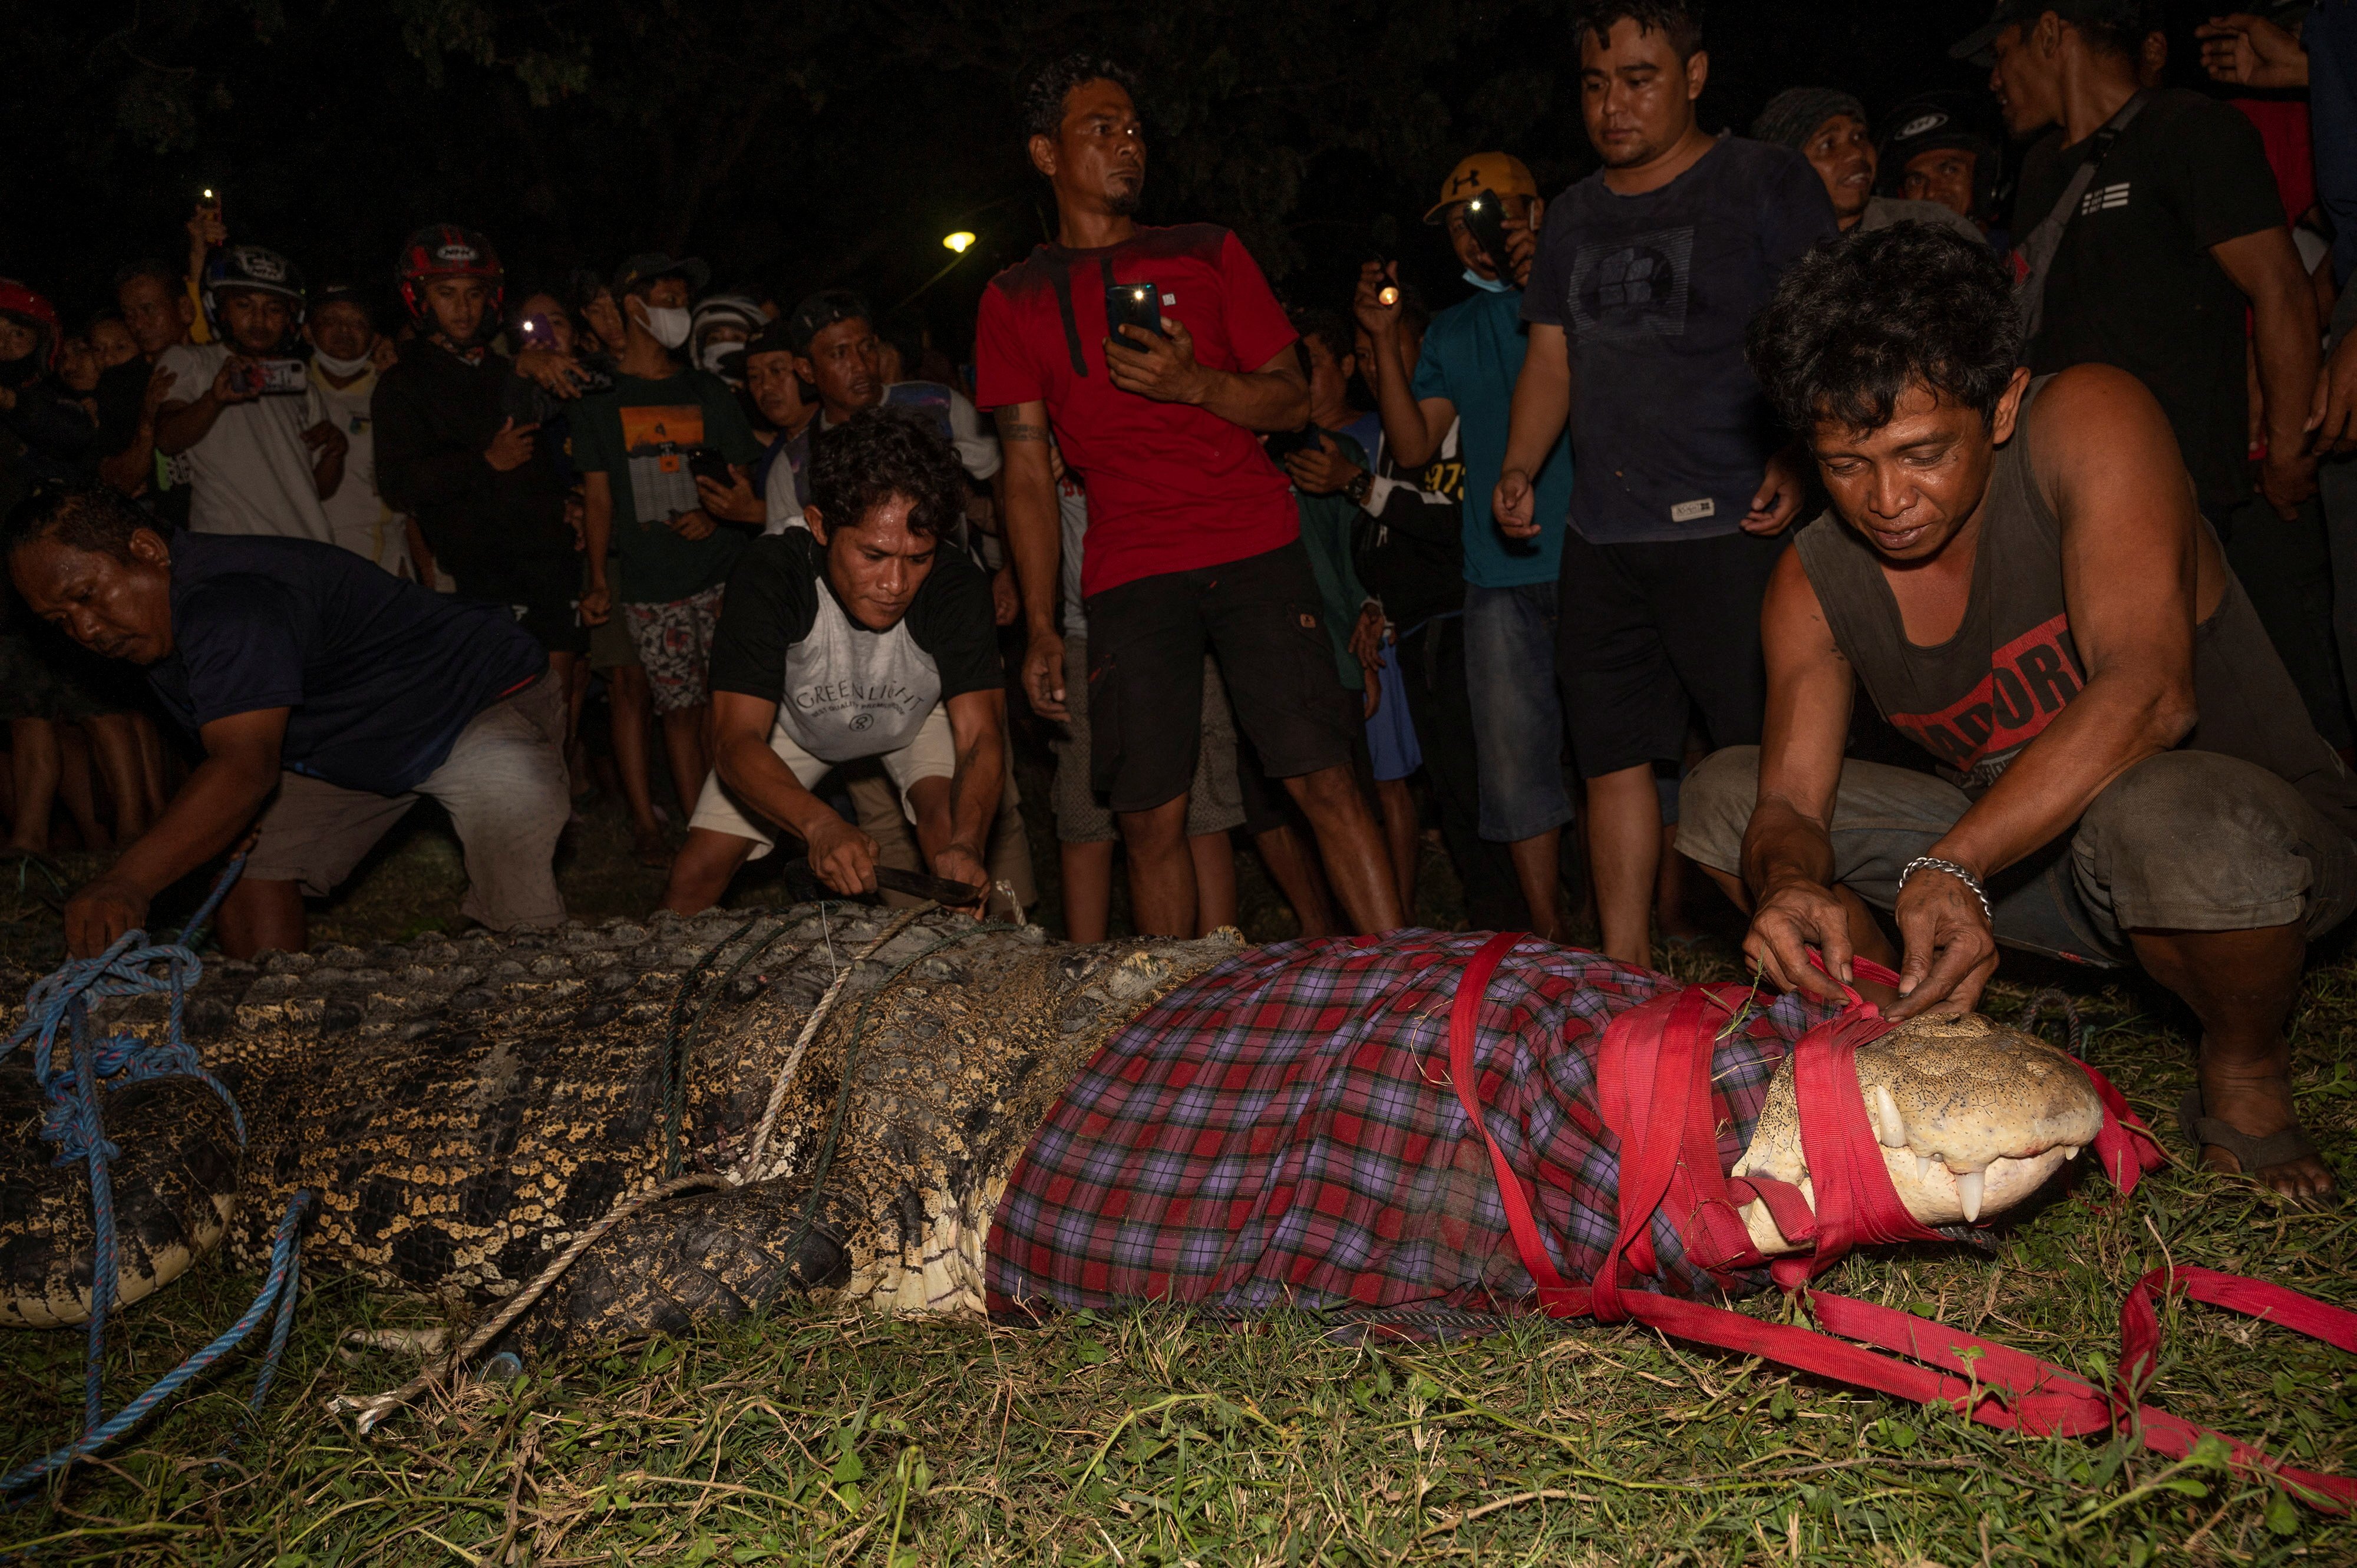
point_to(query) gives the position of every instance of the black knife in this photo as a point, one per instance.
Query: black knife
(940, 890)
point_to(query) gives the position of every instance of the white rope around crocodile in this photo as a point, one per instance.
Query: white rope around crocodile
(368, 1411)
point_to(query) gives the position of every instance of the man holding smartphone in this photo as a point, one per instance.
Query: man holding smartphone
(1461, 381)
(450, 451)
(1194, 542)
(262, 454)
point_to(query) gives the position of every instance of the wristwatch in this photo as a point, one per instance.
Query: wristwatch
(1361, 486)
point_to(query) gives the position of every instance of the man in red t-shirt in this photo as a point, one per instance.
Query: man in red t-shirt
(1194, 540)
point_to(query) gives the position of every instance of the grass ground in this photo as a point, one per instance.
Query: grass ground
(1151, 1439)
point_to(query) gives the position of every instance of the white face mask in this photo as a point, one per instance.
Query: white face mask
(666, 324)
(336, 366)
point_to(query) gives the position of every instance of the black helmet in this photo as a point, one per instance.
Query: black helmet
(1936, 120)
(249, 267)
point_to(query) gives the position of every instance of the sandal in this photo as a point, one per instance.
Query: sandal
(2252, 1153)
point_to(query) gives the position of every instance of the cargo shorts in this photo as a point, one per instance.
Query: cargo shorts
(2187, 841)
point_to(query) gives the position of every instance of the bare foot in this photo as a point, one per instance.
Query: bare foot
(648, 848)
(2260, 1106)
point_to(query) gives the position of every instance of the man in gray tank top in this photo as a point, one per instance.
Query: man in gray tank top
(2016, 574)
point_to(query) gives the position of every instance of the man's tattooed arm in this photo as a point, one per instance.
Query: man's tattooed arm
(1013, 426)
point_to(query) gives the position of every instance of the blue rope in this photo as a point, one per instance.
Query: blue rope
(278, 1289)
(71, 1119)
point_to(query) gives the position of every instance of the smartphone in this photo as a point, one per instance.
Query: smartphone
(537, 332)
(273, 377)
(1284, 444)
(1133, 304)
(705, 463)
(1485, 215)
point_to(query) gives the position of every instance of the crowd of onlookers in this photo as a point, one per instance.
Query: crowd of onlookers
(1356, 575)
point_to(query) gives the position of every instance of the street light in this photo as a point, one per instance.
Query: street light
(958, 241)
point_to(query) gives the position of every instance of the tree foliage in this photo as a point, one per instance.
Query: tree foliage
(798, 143)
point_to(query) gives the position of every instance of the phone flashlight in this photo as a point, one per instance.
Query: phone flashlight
(208, 194)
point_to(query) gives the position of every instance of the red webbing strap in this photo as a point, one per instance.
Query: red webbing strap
(1645, 1089)
(2123, 1145)
(1560, 1300)
(1855, 1200)
(1654, 1090)
(2047, 1399)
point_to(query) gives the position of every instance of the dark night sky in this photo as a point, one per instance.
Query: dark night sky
(331, 140)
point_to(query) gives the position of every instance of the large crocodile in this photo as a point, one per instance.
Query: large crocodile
(463, 1109)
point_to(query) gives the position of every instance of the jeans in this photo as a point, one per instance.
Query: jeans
(1432, 664)
(1517, 717)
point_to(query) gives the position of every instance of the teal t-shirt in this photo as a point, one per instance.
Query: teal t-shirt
(1472, 353)
(640, 435)
(1326, 525)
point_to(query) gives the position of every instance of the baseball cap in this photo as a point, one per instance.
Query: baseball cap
(649, 264)
(1976, 47)
(340, 293)
(1502, 172)
(821, 310)
(774, 337)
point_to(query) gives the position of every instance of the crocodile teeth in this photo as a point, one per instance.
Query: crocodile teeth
(1968, 1191)
(1924, 1163)
(2071, 1151)
(1892, 1127)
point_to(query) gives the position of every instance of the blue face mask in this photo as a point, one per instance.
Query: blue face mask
(1495, 285)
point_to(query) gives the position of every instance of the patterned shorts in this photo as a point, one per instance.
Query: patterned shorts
(674, 643)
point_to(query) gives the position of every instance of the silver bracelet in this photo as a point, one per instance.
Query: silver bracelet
(1933, 863)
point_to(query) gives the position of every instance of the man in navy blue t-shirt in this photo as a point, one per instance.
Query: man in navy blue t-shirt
(1649, 273)
(311, 676)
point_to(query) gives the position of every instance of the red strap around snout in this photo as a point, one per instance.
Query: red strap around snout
(1654, 1091)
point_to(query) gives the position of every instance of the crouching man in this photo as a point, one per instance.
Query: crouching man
(2014, 572)
(859, 636)
(312, 676)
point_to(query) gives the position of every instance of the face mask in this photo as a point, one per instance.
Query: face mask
(723, 360)
(16, 373)
(667, 325)
(336, 366)
(1495, 285)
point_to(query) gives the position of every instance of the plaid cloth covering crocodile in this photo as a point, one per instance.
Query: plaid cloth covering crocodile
(1281, 1129)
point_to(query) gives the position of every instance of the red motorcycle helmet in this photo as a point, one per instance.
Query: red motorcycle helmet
(447, 251)
(36, 312)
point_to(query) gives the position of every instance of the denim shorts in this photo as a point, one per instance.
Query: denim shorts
(1510, 638)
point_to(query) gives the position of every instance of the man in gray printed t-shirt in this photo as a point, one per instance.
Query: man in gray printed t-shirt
(857, 637)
